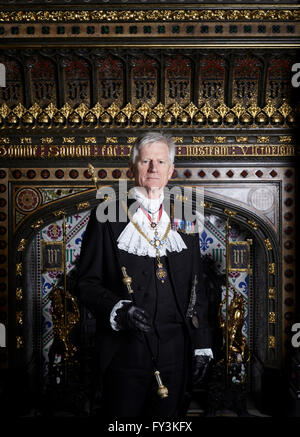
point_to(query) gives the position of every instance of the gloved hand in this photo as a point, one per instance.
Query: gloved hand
(132, 317)
(201, 365)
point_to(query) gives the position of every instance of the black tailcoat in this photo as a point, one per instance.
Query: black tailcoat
(100, 285)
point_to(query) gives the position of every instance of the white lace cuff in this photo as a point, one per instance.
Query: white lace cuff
(205, 352)
(113, 314)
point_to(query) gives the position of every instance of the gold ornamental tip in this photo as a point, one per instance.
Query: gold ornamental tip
(162, 389)
(162, 392)
(127, 280)
(59, 118)
(199, 118)
(74, 118)
(27, 118)
(12, 118)
(261, 118)
(90, 118)
(230, 118)
(43, 118)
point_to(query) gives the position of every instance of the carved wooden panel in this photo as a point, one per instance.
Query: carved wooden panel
(144, 81)
(110, 76)
(246, 79)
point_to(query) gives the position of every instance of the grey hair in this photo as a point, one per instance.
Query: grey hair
(152, 137)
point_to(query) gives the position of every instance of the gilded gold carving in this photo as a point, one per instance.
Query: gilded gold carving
(262, 139)
(111, 140)
(37, 224)
(144, 110)
(47, 140)
(74, 118)
(206, 109)
(22, 245)
(285, 109)
(222, 110)
(159, 110)
(219, 140)
(238, 109)
(58, 118)
(4, 110)
(269, 109)
(272, 268)
(4, 140)
(27, 118)
(285, 139)
(246, 118)
(191, 109)
(19, 317)
(253, 224)
(128, 110)
(175, 109)
(178, 139)
(66, 110)
(272, 317)
(82, 205)
(19, 268)
(59, 213)
(19, 293)
(241, 139)
(98, 110)
(19, 342)
(137, 118)
(105, 118)
(35, 110)
(272, 342)
(121, 118)
(92, 172)
(50, 110)
(268, 244)
(131, 140)
(68, 139)
(272, 293)
(253, 109)
(152, 117)
(90, 140)
(198, 140)
(113, 109)
(63, 320)
(184, 115)
(12, 118)
(206, 204)
(134, 15)
(19, 110)
(82, 110)
(230, 212)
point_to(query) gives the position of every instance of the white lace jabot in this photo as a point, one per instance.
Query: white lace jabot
(132, 241)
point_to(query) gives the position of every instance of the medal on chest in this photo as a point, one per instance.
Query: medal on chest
(156, 242)
(161, 272)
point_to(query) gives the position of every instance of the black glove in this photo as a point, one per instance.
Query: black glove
(132, 317)
(201, 365)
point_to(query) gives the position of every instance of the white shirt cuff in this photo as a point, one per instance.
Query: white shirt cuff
(204, 352)
(113, 314)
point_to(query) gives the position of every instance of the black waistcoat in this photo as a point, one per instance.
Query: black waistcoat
(159, 301)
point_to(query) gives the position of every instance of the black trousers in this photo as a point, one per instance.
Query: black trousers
(130, 387)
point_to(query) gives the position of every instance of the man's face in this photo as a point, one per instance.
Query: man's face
(153, 168)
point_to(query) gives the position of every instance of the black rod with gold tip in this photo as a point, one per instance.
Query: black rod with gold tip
(162, 389)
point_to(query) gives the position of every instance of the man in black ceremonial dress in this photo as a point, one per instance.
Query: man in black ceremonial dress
(159, 326)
